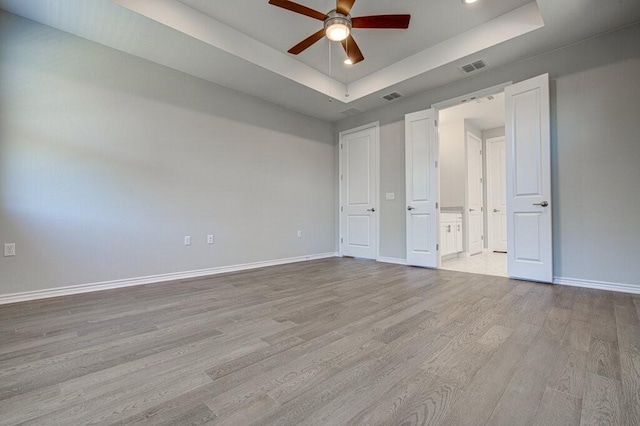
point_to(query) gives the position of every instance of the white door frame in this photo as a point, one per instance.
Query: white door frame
(447, 104)
(488, 180)
(376, 217)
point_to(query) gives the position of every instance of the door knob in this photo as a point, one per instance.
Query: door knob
(410, 208)
(371, 210)
(496, 210)
(542, 204)
(472, 210)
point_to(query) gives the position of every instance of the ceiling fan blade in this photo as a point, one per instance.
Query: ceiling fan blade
(381, 21)
(298, 8)
(344, 6)
(353, 51)
(307, 42)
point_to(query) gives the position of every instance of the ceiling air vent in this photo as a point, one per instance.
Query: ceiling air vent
(350, 112)
(474, 66)
(392, 96)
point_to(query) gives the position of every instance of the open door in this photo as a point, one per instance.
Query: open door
(528, 139)
(422, 189)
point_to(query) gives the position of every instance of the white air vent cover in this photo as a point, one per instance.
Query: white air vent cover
(392, 96)
(473, 66)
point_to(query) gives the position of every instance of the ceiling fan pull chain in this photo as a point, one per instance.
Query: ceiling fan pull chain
(330, 59)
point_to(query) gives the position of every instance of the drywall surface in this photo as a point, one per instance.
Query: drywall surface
(107, 161)
(595, 151)
(453, 163)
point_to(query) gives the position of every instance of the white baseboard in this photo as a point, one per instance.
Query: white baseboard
(599, 285)
(392, 260)
(129, 282)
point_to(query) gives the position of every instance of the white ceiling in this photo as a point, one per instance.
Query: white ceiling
(483, 113)
(243, 44)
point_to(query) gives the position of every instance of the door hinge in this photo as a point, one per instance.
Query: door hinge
(341, 208)
(481, 208)
(436, 164)
(437, 247)
(482, 237)
(341, 146)
(341, 177)
(436, 206)
(435, 123)
(341, 241)
(480, 152)
(481, 180)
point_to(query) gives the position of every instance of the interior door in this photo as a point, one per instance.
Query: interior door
(475, 195)
(421, 189)
(358, 162)
(497, 194)
(529, 240)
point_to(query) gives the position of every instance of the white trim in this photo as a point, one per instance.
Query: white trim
(599, 285)
(151, 279)
(376, 128)
(392, 260)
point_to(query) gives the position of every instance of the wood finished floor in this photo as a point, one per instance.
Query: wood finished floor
(328, 342)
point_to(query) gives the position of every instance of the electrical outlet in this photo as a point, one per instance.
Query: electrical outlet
(10, 249)
(210, 239)
(187, 240)
(299, 234)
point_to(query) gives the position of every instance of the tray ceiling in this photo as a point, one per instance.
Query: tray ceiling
(243, 44)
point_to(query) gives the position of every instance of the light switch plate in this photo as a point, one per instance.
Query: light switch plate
(187, 240)
(390, 196)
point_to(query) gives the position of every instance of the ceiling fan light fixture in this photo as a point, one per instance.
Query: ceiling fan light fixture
(469, 1)
(348, 61)
(337, 27)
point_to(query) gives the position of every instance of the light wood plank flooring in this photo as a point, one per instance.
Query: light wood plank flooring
(327, 342)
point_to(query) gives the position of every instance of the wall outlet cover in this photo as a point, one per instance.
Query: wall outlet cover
(10, 249)
(210, 239)
(187, 240)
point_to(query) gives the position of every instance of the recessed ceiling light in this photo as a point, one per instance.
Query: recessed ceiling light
(348, 61)
(469, 1)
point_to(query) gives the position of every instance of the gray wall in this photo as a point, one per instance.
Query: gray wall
(453, 166)
(595, 153)
(108, 160)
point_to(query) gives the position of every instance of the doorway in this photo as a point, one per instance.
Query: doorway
(528, 183)
(472, 185)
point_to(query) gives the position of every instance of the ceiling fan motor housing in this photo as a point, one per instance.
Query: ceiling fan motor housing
(337, 26)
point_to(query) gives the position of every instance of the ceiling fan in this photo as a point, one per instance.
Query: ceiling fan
(338, 24)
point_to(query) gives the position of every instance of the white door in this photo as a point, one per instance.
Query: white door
(497, 194)
(475, 195)
(529, 242)
(422, 189)
(358, 187)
